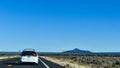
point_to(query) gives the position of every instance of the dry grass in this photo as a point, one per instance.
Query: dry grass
(65, 62)
(85, 61)
(2, 57)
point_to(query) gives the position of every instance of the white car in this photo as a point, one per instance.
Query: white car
(29, 56)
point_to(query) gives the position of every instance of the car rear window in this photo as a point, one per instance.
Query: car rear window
(28, 53)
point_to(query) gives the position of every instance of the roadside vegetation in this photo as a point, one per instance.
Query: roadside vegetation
(6, 56)
(85, 61)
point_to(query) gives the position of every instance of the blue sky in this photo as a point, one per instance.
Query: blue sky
(56, 25)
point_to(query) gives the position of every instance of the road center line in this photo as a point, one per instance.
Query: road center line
(44, 63)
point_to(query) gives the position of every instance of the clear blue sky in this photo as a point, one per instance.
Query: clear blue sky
(56, 25)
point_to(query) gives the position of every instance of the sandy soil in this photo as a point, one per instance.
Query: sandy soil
(65, 63)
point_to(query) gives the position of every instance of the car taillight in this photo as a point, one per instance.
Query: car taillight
(34, 55)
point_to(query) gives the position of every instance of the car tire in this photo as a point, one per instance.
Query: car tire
(36, 63)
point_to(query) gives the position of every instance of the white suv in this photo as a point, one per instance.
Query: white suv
(29, 56)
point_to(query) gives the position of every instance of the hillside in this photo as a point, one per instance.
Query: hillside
(77, 51)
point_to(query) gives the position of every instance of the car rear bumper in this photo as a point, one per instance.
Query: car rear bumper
(29, 61)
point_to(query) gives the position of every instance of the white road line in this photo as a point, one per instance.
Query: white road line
(44, 63)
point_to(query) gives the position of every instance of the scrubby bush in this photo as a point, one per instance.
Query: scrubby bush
(95, 61)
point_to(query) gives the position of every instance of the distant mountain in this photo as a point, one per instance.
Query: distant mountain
(10, 53)
(77, 51)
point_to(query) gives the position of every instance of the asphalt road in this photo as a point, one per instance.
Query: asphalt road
(14, 63)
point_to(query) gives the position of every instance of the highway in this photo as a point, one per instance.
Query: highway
(14, 63)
